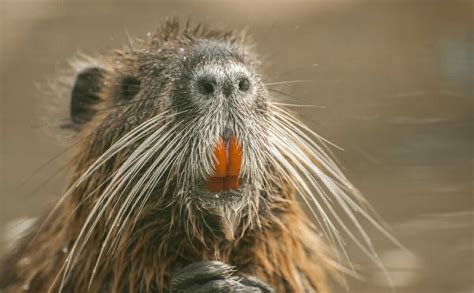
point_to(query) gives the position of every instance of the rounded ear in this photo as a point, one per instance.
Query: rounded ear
(84, 94)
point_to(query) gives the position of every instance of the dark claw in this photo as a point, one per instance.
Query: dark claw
(214, 276)
(256, 283)
(199, 273)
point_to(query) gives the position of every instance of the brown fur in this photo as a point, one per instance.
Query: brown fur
(283, 251)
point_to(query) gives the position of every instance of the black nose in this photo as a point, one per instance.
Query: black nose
(208, 86)
(244, 84)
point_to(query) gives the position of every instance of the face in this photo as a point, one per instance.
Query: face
(221, 107)
(184, 130)
(190, 124)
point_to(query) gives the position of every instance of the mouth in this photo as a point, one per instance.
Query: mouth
(227, 155)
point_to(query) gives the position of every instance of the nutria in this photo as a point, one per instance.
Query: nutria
(187, 177)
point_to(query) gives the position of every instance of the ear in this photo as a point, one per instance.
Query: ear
(84, 94)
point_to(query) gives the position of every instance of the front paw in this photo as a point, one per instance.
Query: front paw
(214, 276)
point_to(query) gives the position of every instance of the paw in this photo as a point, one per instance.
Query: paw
(214, 276)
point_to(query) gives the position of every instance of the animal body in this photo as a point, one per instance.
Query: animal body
(188, 176)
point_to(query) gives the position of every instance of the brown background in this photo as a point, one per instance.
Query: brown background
(391, 82)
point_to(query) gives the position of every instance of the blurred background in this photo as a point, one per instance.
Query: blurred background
(390, 81)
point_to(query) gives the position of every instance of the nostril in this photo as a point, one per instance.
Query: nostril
(206, 87)
(244, 84)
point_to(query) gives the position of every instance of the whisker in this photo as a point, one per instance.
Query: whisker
(328, 229)
(144, 158)
(114, 149)
(126, 140)
(295, 105)
(288, 82)
(285, 94)
(306, 161)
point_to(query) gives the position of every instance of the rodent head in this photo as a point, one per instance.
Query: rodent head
(222, 103)
(181, 121)
(182, 132)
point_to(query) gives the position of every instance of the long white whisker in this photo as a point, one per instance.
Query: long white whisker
(305, 191)
(117, 182)
(288, 81)
(167, 154)
(125, 141)
(346, 185)
(302, 155)
(157, 145)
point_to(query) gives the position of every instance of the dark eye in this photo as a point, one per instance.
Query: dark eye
(206, 87)
(130, 87)
(244, 84)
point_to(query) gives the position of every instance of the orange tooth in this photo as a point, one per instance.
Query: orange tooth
(220, 153)
(235, 157)
(231, 182)
(215, 184)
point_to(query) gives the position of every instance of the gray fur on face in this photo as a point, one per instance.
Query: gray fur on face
(153, 154)
(234, 102)
(202, 90)
(221, 109)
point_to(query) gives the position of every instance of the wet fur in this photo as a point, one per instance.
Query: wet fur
(274, 242)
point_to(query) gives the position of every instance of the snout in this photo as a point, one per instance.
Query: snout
(228, 80)
(213, 84)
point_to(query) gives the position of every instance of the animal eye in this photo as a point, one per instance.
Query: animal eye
(244, 84)
(206, 87)
(130, 87)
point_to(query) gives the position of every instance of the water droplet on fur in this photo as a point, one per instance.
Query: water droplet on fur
(216, 195)
(24, 261)
(148, 34)
(184, 58)
(65, 250)
(25, 287)
(181, 49)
